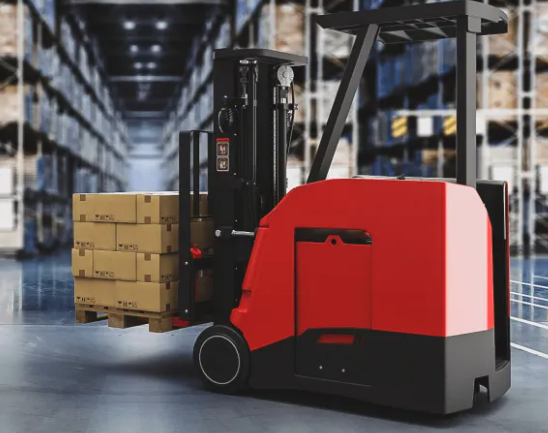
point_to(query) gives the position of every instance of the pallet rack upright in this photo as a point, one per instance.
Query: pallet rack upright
(63, 136)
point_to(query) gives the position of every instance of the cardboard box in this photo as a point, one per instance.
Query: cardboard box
(541, 35)
(148, 238)
(202, 234)
(157, 268)
(132, 208)
(542, 90)
(501, 90)
(82, 263)
(505, 43)
(204, 286)
(141, 296)
(95, 236)
(111, 207)
(289, 27)
(7, 214)
(115, 265)
(91, 291)
(541, 145)
(203, 203)
(158, 208)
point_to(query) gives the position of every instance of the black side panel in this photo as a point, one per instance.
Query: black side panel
(467, 357)
(375, 358)
(224, 185)
(495, 197)
(428, 374)
(500, 382)
(186, 271)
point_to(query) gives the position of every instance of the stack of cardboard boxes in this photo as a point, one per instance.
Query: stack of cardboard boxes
(126, 247)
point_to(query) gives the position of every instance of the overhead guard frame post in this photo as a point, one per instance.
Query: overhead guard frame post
(343, 101)
(467, 27)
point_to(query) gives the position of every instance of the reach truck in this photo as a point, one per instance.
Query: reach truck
(394, 291)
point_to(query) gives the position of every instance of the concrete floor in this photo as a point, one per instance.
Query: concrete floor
(59, 377)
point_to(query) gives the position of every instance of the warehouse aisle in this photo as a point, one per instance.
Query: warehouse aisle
(62, 377)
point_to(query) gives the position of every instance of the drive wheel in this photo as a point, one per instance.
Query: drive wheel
(221, 358)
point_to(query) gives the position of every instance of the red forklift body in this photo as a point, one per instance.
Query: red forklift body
(380, 283)
(418, 274)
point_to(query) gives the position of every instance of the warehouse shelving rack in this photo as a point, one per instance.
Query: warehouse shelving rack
(328, 51)
(193, 106)
(521, 136)
(36, 211)
(245, 32)
(513, 155)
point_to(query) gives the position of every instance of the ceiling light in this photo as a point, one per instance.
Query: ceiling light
(138, 65)
(156, 48)
(151, 65)
(134, 48)
(161, 25)
(129, 25)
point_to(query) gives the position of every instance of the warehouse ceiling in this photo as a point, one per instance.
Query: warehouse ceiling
(144, 47)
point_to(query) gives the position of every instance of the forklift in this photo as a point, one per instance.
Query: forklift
(393, 291)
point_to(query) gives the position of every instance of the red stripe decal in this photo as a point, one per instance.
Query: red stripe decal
(336, 339)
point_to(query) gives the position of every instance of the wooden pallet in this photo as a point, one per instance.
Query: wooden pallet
(122, 319)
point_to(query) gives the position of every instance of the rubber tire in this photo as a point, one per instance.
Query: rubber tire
(240, 380)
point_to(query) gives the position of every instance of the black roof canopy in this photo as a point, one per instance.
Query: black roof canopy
(418, 22)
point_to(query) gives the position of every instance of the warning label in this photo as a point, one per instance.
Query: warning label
(85, 300)
(128, 247)
(105, 274)
(108, 217)
(126, 304)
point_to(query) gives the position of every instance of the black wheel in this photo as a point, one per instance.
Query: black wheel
(221, 358)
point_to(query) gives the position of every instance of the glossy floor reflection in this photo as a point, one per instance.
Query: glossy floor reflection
(61, 377)
(37, 291)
